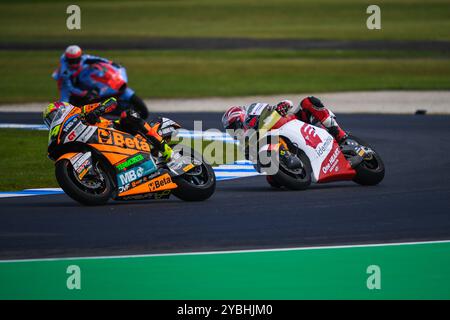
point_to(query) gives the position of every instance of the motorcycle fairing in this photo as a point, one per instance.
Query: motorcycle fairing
(320, 147)
(107, 75)
(335, 166)
(109, 80)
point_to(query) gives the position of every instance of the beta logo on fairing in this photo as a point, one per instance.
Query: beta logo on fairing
(118, 139)
(159, 182)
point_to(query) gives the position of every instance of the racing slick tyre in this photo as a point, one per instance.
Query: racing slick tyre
(369, 172)
(272, 182)
(91, 192)
(197, 184)
(139, 106)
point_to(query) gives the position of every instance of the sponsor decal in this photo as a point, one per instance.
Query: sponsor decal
(256, 108)
(311, 137)
(175, 166)
(76, 157)
(87, 134)
(72, 136)
(129, 162)
(81, 164)
(80, 161)
(163, 194)
(159, 182)
(188, 167)
(167, 126)
(70, 123)
(83, 173)
(75, 132)
(144, 179)
(335, 166)
(127, 177)
(140, 172)
(323, 148)
(136, 173)
(332, 162)
(118, 139)
(138, 182)
(104, 136)
(124, 188)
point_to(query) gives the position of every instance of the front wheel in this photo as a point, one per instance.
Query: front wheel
(91, 190)
(370, 171)
(198, 184)
(297, 177)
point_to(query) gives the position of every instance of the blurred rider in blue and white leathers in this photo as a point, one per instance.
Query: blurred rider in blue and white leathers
(72, 61)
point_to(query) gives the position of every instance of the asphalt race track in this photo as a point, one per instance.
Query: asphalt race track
(411, 204)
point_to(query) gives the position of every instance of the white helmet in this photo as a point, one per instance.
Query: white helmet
(73, 55)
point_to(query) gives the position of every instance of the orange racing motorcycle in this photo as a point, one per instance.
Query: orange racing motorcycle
(95, 164)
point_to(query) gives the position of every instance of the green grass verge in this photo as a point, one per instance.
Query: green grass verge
(25, 164)
(42, 21)
(24, 160)
(168, 74)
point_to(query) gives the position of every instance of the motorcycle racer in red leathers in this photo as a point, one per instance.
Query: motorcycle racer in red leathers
(310, 110)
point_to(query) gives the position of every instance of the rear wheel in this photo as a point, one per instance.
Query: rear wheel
(371, 170)
(91, 190)
(197, 184)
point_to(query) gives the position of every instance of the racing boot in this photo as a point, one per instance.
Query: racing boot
(158, 141)
(311, 106)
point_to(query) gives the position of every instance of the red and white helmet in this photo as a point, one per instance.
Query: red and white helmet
(73, 55)
(233, 118)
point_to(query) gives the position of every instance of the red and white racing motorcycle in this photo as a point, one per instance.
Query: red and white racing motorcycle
(303, 154)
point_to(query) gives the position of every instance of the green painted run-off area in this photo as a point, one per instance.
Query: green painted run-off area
(406, 271)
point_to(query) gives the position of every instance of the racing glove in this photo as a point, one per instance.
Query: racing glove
(106, 106)
(283, 107)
